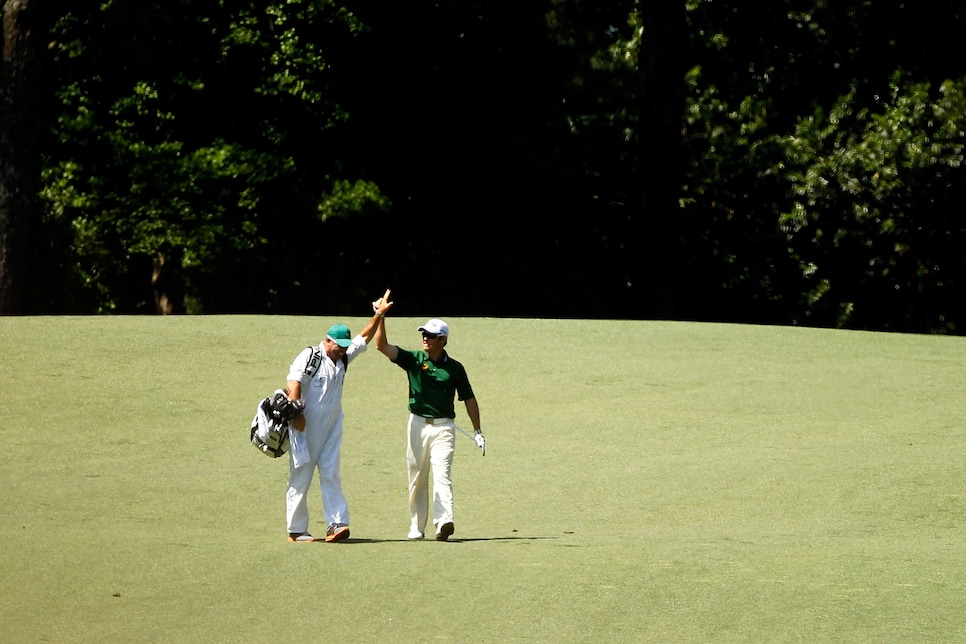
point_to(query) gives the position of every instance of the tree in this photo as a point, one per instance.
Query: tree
(190, 161)
(459, 121)
(876, 223)
(785, 96)
(608, 159)
(19, 151)
(661, 68)
(624, 103)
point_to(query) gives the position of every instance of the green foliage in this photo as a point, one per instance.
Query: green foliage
(192, 136)
(872, 208)
(753, 162)
(831, 202)
(346, 198)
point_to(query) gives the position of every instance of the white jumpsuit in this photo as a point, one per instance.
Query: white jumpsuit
(322, 395)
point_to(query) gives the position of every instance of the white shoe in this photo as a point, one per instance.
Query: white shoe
(415, 534)
(300, 537)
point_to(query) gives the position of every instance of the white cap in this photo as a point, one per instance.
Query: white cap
(436, 327)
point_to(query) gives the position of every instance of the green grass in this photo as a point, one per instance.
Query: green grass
(643, 481)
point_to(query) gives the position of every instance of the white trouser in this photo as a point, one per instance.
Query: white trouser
(431, 445)
(323, 433)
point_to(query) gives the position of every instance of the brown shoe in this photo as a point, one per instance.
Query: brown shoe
(445, 531)
(337, 532)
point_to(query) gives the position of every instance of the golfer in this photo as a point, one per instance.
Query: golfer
(317, 441)
(435, 379)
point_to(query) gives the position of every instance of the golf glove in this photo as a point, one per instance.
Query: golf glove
(295, 408)
(286, 409)
(480, 441)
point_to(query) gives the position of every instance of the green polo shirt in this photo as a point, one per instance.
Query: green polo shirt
(432, 385)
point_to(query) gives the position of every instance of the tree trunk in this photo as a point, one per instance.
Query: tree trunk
(19, 152)
(661, 68)
(168, 282)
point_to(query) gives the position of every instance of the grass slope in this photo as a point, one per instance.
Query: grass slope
(644, 481)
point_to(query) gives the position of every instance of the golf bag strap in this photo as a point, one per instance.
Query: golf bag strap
(316, 361)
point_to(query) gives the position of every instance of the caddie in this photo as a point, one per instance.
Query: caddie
(316, 442)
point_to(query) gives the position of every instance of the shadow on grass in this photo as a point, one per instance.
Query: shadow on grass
(352, 540)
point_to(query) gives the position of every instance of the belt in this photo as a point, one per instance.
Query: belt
(429, 420)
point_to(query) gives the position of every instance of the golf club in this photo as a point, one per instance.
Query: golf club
(473, 438)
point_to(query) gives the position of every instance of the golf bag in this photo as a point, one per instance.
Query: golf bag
(271, 425)
(273, 416)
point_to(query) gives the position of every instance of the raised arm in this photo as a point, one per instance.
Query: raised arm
(381, 306)
(379, 309)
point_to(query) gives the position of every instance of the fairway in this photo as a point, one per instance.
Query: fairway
(643, 482)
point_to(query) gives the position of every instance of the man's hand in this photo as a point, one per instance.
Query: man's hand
(382, 305)
(295, 409)
(286, 409)
(480, 441)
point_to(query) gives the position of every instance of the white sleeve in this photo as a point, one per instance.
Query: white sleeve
(358, 346)
(297, 368)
